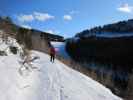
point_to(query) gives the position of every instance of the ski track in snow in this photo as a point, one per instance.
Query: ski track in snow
(50, 81)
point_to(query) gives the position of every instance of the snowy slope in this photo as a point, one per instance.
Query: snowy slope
(47, 81)
(114, 34)
(108, 34)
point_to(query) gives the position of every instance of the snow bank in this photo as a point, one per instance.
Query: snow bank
(114, 34)
(5, 45)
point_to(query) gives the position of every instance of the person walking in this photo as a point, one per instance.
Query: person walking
(52, 54)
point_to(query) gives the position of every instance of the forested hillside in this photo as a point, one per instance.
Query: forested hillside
(115, 28)
(110, 59)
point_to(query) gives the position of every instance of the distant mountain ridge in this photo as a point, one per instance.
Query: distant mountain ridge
(121, 27)
(10, 28)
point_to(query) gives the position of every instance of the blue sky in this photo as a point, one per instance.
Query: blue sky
(66, 17)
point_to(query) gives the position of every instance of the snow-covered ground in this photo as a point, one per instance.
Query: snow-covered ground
(110, 34)
(47, 81)
(113, 35)
(60, 48)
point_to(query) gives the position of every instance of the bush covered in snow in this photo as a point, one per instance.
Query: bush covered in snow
(3, 53)
(13, 49)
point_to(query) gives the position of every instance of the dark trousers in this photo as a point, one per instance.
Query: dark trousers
(52, 57)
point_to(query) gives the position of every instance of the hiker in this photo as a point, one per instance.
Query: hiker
(52, 54)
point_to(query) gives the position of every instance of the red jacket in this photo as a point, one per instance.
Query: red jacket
(52, 51)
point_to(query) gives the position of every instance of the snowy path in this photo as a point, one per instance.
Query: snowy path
(50, 81)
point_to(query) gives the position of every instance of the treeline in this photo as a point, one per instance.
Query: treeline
(117, 52)
(119, 27)
(24, 35)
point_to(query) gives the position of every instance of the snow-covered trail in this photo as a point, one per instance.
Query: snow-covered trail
(50, 81)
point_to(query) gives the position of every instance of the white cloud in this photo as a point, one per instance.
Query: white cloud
(25, 18)
(67, 17)
(26, 26)
(42, 16)
(125, 8)
(34, 16)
